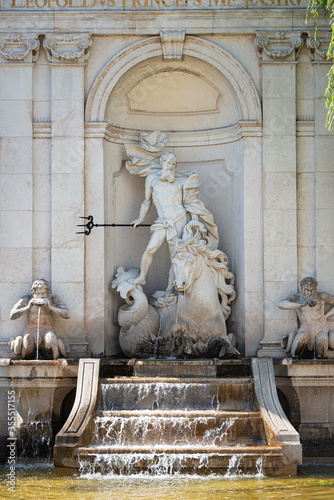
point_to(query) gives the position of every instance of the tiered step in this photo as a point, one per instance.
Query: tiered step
(178, 428)
(168, 425)
(165, 394)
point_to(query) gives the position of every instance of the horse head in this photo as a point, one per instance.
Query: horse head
(186, 265)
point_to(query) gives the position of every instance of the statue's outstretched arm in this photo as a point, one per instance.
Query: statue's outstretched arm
(146, 205)
(329, 299)
(57, 306)
(290, 303)
(21, 307)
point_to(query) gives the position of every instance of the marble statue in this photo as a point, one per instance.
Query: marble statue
(313, 332)
(176, 199)
(39, 336)
(189, 318)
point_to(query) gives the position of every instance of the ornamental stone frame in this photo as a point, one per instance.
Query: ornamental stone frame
(99, 325)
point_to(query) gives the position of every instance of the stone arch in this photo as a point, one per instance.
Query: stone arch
(194, 47)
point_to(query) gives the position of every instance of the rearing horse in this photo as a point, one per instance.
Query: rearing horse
(205, 290)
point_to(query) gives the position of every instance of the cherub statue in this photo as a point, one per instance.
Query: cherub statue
(41, 307)
(313, 331)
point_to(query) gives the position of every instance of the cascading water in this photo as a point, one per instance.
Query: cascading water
(172, 349)
(171, 430)
(171, 427)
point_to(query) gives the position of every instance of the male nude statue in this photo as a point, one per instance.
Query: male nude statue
(41, 306)
(166, 189)
(313, 331)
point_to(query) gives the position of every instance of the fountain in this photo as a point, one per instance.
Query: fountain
(190, 403)
(312, 335)
(34, 432)
(41, 307)
(189, 318)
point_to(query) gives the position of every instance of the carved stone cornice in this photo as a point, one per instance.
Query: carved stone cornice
(318, 45)
(17, 47)
(278, 45)
(172, 43)
(67, 48)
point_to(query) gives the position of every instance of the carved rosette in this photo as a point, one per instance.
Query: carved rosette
(172, 43)
(278, 45)
(17, 47)
(67, 48)
(319, 45)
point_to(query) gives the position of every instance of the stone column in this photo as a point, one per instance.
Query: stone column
(324, 169)
(278, 53)
(67, 55)
(17, 56)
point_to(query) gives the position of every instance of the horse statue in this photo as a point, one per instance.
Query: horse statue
(192, 312)
(196, 323)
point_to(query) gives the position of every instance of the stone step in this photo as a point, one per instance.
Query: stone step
(169, 459)
(174, 380)
(220, 450)
(178, 413)
(175, 368)
(181, 428)
(172, 394)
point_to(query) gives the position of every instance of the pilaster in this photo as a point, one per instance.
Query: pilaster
(253, 234)
(279, 54)
(18, 54)
(323, 160)
(42, 168)
(97, 304)
(67, 55)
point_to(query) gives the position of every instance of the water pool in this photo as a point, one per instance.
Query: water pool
(41, 481)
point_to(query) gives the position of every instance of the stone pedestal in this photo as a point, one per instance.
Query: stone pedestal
(313, 382)
(36, 390)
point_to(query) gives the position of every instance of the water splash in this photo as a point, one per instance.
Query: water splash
(146, 464)
(161, 396)
(216, 435)
(162, 318)
(35, 439)
(259, 467)
(233, 466)
(181, 431)
(174, 330)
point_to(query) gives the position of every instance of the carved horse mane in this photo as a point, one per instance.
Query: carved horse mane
(217, 262)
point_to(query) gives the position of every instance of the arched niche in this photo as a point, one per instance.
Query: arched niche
(206, 124)
(149, 48)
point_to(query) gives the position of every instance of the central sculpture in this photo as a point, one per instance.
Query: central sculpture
(189, 317)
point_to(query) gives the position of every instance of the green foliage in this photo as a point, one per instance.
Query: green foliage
(326, 7)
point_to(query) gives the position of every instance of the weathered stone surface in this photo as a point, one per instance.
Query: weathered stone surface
(39, 338)
(240, 92)
(312, 336)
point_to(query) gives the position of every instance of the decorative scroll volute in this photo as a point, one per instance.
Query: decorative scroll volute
(318, 46)
(278, 45)
(172, 43)
(69, 48)
(18, 48)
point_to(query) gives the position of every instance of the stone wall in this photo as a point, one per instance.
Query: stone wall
(238, 87)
